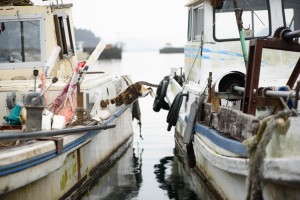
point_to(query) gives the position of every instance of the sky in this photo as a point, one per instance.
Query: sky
(139, 24)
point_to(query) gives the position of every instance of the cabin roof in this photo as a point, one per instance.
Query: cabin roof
(16, 3)
(58, 6)
(193, 2)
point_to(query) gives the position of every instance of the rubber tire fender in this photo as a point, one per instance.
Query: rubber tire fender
(159, 101)
(174, 110)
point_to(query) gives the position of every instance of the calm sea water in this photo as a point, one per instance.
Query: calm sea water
(149, 169)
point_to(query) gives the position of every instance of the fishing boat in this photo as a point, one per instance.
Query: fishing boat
(170, 49)
(53, 140)
(235, 105)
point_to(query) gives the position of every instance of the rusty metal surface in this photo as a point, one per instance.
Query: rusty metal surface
(78, 164)
(297, 95)
(10, 127)
(59, 141)
(293, 78)
(80, 108)
(209, 85)
(81, 187)
(250, 98)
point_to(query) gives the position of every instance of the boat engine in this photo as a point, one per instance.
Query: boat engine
(34, 103)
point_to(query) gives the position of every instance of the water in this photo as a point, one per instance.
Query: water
(148, 169)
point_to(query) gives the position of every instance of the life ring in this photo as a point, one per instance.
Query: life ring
(159, 101)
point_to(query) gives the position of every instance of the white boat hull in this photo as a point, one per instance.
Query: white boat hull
(62, 166)
(227, 176)
(66, 174)
(226, 172)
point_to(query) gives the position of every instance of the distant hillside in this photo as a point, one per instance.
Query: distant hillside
(87, 38)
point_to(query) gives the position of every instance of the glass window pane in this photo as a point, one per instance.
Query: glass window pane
(189, 32)
(198, 15)
(10, 42)
(255, 18)
(223, 21)
(62, 35)
(13, 48)
(292, 14)
(32, 41)
(67, 34)
(261, 23)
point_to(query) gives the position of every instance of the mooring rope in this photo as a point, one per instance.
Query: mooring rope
(257, 152)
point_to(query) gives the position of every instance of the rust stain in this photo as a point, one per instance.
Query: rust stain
(63, 180)
(78, 164)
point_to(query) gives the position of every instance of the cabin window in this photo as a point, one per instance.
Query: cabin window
(198, 22)
(20, 41)
(189, 32)
(63, 35)
(291, 13)
(256, 20)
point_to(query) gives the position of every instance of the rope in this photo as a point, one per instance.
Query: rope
(4, 144)
(257, 152)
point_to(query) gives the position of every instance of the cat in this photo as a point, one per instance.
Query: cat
(128, 96)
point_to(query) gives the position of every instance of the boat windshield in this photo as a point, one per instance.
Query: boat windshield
(291, 13)
(20, 41)
(256, 20)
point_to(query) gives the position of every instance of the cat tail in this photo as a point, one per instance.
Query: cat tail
(148, 84)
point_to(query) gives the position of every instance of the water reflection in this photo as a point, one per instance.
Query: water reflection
(130, 177)
(190, 185)
(137, 166)
(122, 181)
(167, 175)
(125, 178)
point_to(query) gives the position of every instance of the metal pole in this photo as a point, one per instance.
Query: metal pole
(22, 41)
(291, 35)
(239, 89)
(39, 134)
(239, 21)
(271, 93)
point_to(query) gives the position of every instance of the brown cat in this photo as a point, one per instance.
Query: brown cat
(131, 93)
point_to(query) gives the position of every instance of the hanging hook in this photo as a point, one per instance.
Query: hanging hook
(240, 20)
(246, 29)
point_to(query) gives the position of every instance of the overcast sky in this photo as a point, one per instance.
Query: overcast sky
(140, 24)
